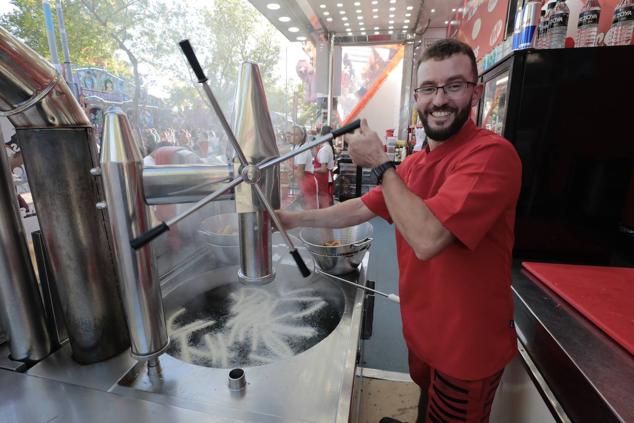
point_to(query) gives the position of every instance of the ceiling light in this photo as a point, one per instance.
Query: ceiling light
(375, 17)
(329, 19)
(301, 38)
(409, 7)
(433, 11)
(339, 4)
(284, 19)
(348, 30)
(406, 21)
(446, 22)
(357, 3)
(323, 6)
(273, 6)
(360, 18)
(362, 28)
(392, 9)
(407, 15)
(391, 16)
(375, 10)
(293, 29)
(376, 33)
(390, 22)
(390, 27)
(376, 27)
(404, 31)
(405, 26)
(392, 1)
(326, 13)
(344, 19)
(342, 12)
(363, 33)
(390, 32)
(359, 11)
(375, 2)
(453, 10)
(346, 24)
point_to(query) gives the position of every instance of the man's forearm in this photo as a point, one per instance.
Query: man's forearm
(420, 228)
(348, 213)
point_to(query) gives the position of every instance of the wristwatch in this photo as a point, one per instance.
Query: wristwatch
(380, 170)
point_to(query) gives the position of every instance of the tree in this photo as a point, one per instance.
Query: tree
(87, 43)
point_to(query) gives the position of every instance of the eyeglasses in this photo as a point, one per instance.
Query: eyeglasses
(453, 88)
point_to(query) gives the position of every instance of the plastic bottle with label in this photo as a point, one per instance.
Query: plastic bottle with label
(530, 21)
(588, 25)
(558, 25)
(545, 39)
(622, 23)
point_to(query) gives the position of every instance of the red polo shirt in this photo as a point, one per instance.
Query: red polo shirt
(457, 307)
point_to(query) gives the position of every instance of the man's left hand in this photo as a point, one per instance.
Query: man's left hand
(365, 147)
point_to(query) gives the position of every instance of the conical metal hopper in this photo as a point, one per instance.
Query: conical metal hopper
(122, 168)
(254, 132)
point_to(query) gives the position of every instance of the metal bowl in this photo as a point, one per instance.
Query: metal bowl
(220, 230)
(351, 239)
(344, 258)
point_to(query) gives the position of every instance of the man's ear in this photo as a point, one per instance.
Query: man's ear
(477, 93)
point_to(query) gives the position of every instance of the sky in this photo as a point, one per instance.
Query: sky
(290, 54)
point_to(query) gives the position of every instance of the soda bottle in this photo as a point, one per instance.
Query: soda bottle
(549, 13)
(588, 25)
(622, 23)
(558, 24)
(530, 20)
(517, 28)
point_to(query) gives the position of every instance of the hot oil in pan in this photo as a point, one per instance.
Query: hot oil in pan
(240, 326)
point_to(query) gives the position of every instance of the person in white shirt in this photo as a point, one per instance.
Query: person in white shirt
(304, 170)
(324, 165)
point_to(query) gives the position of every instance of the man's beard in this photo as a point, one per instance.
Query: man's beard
(443, 134)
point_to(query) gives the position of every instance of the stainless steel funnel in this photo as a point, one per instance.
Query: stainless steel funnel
(122, 170)
(254, 132)
(59, 150)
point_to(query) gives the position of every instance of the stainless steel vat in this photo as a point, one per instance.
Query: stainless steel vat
(21, 309)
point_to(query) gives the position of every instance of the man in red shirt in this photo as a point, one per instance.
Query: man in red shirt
(453, 205)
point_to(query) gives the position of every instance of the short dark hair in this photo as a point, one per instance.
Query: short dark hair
(443, 49)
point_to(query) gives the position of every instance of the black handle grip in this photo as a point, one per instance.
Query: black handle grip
(140, 241)
(352, 126)
(188, 51)
(300, 263)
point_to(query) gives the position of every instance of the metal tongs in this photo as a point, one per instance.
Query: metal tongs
(249, 173)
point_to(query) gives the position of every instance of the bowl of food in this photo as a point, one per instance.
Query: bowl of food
(338, 251)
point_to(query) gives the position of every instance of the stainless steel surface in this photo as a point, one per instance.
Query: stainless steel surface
(237, 380)
(33, 93)
(220, 230)
(35, 400)
(52, 304)
(295, 152)
(61, 367)
(7, 364)
(314, 386)
(122, 169)
(591, 376)
(58, 162)
(341, 264)
(256, 256)
(184, 183)
(21, 309)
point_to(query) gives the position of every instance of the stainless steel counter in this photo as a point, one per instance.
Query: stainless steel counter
(591, 376)
(313, 386)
